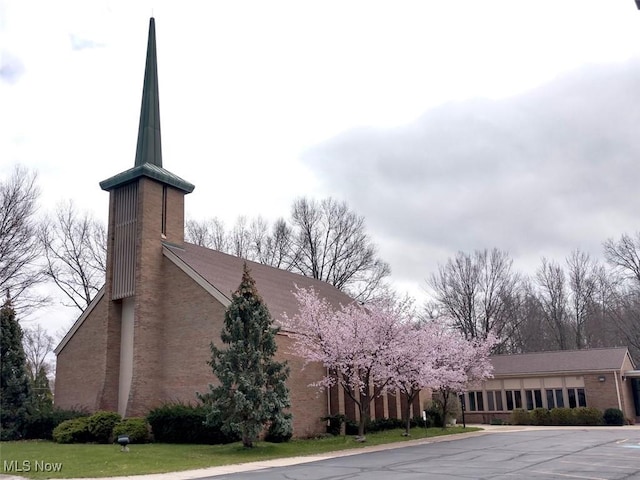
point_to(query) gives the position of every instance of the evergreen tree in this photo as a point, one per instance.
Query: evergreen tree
(15, 387)
(252, 393)
(42, 395)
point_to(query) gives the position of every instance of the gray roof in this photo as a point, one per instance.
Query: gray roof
(224, 272)
(597, 359)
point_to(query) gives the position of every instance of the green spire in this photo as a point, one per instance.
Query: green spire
(149, 149)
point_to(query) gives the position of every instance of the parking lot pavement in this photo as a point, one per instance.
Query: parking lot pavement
(538, 453)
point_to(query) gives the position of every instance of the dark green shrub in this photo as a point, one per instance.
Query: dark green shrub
(137, 429)
(281, 431)
(351, 428)
(540, 416)
(101, 425)
(40, 425)
(520, 416)
(497, 421)
(73, 431)
(381, 424)
(416, 422)
(613, 416)
(562, 416)
(180, 423)
(587, 416)
(334, 423)
(434, 416)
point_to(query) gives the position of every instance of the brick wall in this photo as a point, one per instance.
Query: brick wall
(192, 320)
(599, 394)
(80, 367)
(146, 385)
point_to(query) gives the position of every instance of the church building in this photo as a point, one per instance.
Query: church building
(144, 339)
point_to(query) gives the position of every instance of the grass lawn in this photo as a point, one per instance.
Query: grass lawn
(82, 460)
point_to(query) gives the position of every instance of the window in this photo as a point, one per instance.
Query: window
(164, 211)
(514, 399)
(476, 402)
(534, 399)
(582, 399)
(494, 400)
(554, 398)
(576, 397)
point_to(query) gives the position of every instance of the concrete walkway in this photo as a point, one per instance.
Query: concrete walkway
(283, 462)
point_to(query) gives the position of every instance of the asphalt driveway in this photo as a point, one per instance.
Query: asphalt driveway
(593, 453)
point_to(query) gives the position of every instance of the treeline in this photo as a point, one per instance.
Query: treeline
(321, 239)
(575, 304)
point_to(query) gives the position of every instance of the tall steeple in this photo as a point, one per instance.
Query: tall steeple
(148, 161)
(146, 211)
(149, 148)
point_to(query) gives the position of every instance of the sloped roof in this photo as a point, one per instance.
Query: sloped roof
(224, 273)
(597, 359)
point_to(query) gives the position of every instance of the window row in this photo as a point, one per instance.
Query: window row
(497, 400)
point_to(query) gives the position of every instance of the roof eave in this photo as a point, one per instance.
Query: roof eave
(149, 171)
(78, 323)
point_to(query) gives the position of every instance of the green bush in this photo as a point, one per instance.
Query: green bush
(40, 425)
(381, 424)
(334, 423)
(180, 423)
(520, 416)
(587, 416)
(434, 416)
(562, 416)
(497, 421)
(280, 432)
(351, 428)
(137, 429)
(73, 431)
(613, 416)
(101, 425)
(540, 416)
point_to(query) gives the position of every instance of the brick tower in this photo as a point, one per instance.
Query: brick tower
(146, 209)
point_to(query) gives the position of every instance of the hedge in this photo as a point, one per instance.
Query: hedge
(180, 423)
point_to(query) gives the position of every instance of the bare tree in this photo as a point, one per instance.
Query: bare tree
(19, 246)
(601, 328)
(478, 293)
(625, 254)
(552, 294)
(330, 243)
(38, 344)
(240, 239)
(626, 316)
(582, 273)
(75, 253)
(210, 233)
(323, 240)
(272, 249)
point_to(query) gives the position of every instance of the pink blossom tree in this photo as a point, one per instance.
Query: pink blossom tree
(415, 366)
(358, 345)
(460, 363)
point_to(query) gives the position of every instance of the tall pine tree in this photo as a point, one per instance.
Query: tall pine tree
(252, 393)
(15, 387)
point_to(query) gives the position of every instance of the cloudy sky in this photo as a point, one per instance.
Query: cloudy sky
(450, 125)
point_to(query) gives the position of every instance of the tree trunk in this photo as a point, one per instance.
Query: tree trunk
(408, 410)
(364, 416)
